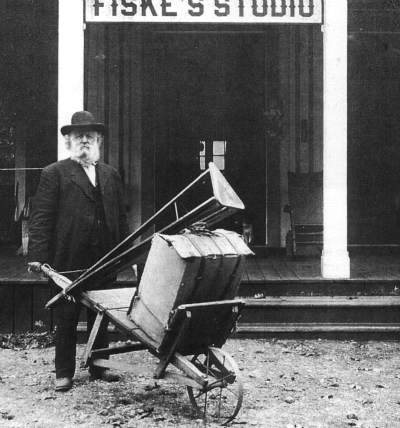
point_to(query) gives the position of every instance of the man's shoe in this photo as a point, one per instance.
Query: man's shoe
(106, 375)
(63, 384)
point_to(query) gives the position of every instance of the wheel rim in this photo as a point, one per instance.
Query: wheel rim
(222, 398)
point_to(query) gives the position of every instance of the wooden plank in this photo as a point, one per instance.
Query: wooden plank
(282, 267)
(23, 305)
(306, 269)
(92, 338)
(375, 267)
(181, 379)
(166, 358)
(148, 144)
(126, 108)
(189, 369)
(112, 299)
(7, 308)
(113, 96)
(292, 97)
(317, 68)
(317, 328)
(268, 269)
(285, 82)
(304, 93)
(325, 301)
(95, 71)
(120, 349)
(260, 271)
(310, 112)
(41, 318)
(245, 273)
(136, 132)
(124, 324)
(253, 270)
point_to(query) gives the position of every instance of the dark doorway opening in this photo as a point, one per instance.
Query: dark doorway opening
(208, 92)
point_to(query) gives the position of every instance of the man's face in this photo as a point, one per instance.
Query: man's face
(84, 145)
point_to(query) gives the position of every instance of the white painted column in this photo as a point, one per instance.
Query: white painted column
(70, 64)
(335, 262)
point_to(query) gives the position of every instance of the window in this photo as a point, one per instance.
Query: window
(214, 151)
(202, 155)
(219, 150)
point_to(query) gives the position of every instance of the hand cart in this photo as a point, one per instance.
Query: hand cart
(182, 313)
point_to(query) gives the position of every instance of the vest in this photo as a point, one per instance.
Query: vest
(100, 240)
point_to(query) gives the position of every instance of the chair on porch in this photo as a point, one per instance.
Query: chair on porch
(305, 236)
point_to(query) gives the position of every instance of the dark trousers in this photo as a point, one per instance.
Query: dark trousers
(66, 317)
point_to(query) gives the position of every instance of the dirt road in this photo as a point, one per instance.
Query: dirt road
(289, 383)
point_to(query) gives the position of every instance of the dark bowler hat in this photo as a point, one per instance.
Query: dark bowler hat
(83, 121)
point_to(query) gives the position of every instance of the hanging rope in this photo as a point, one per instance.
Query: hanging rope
(21, 169)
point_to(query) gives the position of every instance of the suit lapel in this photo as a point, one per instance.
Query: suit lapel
(79, 177)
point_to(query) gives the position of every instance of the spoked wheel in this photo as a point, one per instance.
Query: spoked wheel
(222, 398)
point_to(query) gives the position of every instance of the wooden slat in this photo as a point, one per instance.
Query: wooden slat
(325, 301)
(189, 369)
(306, 269)
(284, 269)
(7, 309)
(120, 349)
(260, 270)
(113, 298)
(252, 269)
(317, 328)
(41, 317)
(23, 305)
(135, 167)
(92, 337)
(317, 101)
(95, 68)
(304, 93)
(113, 96)
(267, 268)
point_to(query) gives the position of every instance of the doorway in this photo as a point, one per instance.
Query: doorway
(208, 91)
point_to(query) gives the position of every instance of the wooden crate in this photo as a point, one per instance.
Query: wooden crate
(184, 269)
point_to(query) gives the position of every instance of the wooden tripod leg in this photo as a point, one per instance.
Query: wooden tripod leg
(92, 338)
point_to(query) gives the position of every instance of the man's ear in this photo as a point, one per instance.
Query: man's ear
(67, 139)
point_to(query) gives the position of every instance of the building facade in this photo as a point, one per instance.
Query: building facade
(288, 98)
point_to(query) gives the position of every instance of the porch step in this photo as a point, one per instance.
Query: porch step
(319, 287)
(305, 315)
(333, 330)
(325, 301)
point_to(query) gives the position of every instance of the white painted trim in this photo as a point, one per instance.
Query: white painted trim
(335, 262)
(70, 64)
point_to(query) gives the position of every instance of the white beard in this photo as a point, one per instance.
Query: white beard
(86, 154)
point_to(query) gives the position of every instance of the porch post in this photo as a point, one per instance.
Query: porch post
(335, 262)
(70, 64)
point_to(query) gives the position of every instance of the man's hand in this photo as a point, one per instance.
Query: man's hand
(35, 267)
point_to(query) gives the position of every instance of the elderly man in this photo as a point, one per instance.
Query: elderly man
(77, 216)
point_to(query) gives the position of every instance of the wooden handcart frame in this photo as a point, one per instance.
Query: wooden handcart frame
(194, 336)
(195, 332)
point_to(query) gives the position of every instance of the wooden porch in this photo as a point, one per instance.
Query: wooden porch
(283, 296)
(372, 264)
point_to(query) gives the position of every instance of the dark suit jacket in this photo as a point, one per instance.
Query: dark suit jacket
(63, 213)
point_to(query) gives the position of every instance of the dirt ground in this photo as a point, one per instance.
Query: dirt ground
(288, 383)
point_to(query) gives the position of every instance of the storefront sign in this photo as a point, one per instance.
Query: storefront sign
(213, 11)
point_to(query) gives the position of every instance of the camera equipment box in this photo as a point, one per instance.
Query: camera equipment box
(186, 268)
